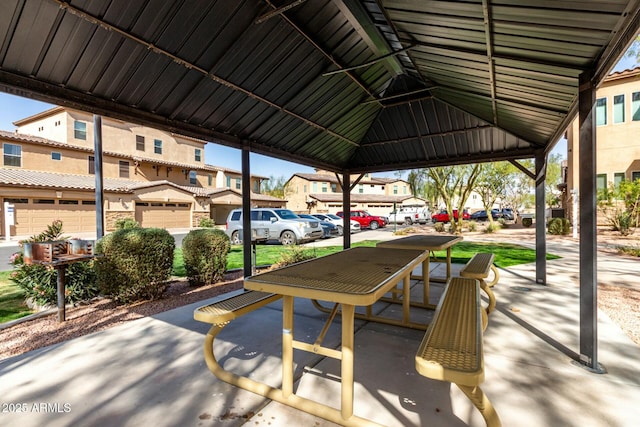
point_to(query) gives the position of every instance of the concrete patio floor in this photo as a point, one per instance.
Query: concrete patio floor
(151, 372)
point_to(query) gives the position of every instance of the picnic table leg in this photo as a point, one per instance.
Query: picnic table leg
(348, 313)
(287, 346)
(448, 264)
(425, 280)
(406, 298)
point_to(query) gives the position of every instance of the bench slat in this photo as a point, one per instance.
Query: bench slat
(478, 267)
(230, 308)
(452, 346)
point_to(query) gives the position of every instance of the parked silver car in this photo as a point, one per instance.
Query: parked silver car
(283, 225)
(335, 219)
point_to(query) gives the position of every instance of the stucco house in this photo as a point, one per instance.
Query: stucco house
(321, 192)
(156, 177)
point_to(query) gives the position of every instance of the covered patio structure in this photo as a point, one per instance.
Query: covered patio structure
(348, 86)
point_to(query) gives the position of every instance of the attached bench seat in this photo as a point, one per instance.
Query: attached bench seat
(478, 268)
(224, 311)
(452, 346)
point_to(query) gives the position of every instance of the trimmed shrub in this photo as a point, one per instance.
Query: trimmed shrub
(559, 226)
(136, 263)
(293, 255)
(206, 223)
(204, 252)
(126, 223)
(472, 226)
(439, 227)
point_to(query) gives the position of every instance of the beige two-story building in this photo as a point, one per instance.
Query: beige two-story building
(321, 192)
(158, 178)
(617, 112)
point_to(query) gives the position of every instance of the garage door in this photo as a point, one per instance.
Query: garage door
(32, 216)
(163, 215)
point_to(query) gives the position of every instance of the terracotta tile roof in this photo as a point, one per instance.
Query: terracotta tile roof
(332, 178)
(37, 179)
(360, 198)
(254, 196)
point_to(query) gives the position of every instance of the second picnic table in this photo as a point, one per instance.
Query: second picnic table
(428, 243)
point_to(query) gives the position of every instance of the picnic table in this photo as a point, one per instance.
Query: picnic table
(354, 277)
(429, 243)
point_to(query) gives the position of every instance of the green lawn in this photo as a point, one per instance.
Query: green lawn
(12, 304)
(12, 299)
(506, 255)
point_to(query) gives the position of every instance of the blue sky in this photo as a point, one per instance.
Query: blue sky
(13, 108)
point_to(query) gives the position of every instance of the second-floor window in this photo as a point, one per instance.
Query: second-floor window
(12, 154)
(209, 180)
(395, 189)
(56, 155)
(228, 182)
(601, 111)
(91, 161)
(635, 106)
(324, 187)
(198, 155)
(334, 187)
(157, 146)
(80, 130)
(238, 183)
(123, 168)
(139, 142)
(618, 109)
(360, 188)
(193, 178)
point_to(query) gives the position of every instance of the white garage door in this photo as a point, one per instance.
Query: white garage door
(32, 216)
(163, 215)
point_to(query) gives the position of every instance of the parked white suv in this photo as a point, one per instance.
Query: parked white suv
(410, 215)
(283, 225)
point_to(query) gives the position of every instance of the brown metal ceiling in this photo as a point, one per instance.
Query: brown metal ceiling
(345, 85)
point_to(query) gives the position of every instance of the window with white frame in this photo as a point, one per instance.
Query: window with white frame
(618, 109)
(198, 155)
(139, 142)
(12, 154)
(123, 168)
(601, 111)
(193, 177)
(56, 155)
(157, 146)
(635, 106)
(80, 130)
(238, 183)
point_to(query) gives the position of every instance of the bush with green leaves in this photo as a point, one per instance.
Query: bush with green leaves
(135, 263)
(39, 282)
(293, 255)
(206, 223)
(472, 226)
(204, 252)
(559, 226)
(126, 223)
(492, 227)
(439, 227)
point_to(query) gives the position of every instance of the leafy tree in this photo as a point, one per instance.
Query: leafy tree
(274, 186)
(621, 205)
(454, 183)
(634, 50)
(492, 183)
(552, 179)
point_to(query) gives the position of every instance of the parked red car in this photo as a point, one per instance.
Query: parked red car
(366, 220)
(443, 215)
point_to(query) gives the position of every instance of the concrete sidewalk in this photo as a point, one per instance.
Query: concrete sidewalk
(151, 371)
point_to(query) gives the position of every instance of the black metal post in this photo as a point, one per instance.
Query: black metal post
(97, 160)
(541, 232)
(346, 210)
(588, 225)
(246, 213)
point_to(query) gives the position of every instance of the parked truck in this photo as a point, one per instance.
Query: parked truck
(409, 215)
